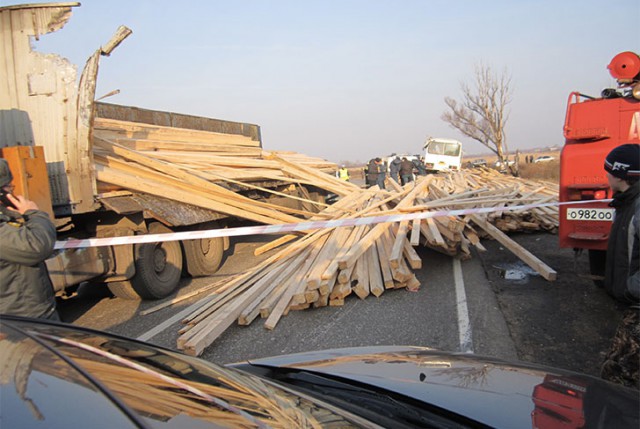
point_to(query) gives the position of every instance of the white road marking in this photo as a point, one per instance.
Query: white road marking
(464, 325)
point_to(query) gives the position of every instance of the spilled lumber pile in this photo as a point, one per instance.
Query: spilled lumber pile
(483, 188)
(327, 265)
(207, 169)
(320, 267)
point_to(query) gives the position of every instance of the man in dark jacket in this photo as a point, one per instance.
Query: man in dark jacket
(623, 171)
(382, 173)
(394, 169)
(406, 171)
(27, 237)
(622, 269)
(419, 165)
(372, 173)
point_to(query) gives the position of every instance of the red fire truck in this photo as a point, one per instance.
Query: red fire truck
(593, 126)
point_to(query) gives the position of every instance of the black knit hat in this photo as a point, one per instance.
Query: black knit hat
(5, 173)
(623, 162)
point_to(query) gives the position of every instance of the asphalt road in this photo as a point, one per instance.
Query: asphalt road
(567, 323)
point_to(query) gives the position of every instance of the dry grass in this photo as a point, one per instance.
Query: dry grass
(548, 171)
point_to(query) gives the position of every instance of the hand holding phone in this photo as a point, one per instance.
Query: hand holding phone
(17, 203)
(4, 199)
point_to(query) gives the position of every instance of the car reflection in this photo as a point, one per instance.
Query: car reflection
(158, 385)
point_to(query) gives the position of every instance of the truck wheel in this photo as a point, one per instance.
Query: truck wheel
(158, 266)
(203, 256)
(123, 290)
(597, 262)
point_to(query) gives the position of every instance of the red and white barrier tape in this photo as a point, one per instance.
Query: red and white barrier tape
(294, 227)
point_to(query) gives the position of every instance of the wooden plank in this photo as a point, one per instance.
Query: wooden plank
(174, 188)
(402, 273)
(527, 257)
(195, 341)
(383, 248)
(179, 193)
(355, 252)
(336, 238)
(415, 232)
(398, 244)
(415, 262)
(376, 283)
(158, 132)
(340, 291)
(413, 284)
(332, 268)
(282, 305)
(434, 232)
(212, 287)
(362, 271)
(322, 301)
(325, 181)
(326, 286)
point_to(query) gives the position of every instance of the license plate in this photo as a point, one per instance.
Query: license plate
(605, 215)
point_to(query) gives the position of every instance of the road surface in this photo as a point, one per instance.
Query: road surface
(462, 306)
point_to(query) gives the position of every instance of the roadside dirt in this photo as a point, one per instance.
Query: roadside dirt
(567, 323)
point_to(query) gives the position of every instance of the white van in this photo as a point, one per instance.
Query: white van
(442, 154)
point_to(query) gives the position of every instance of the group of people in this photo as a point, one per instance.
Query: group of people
(402, 170)
(27, 238)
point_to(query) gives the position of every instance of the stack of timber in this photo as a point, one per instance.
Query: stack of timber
(208, 170)
(325, 266)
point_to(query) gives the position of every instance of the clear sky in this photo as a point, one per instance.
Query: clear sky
(348, 80)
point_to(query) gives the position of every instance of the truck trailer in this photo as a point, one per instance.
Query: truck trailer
(49, 127)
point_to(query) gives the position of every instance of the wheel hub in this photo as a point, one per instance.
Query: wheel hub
(205, 245)
(159, 259)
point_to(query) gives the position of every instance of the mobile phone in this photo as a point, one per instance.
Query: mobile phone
(4, 200)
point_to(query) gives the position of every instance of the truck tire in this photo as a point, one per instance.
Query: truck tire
(597, 262)
(158, 266)
(123, 289)
(203, 256)
(158, 269)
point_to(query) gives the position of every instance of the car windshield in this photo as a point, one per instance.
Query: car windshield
(164, 387)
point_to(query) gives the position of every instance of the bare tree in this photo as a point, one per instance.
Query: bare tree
(482, 113)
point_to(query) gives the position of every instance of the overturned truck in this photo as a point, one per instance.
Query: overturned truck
(104, 170)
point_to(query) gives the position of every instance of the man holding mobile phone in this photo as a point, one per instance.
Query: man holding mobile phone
(27, 237)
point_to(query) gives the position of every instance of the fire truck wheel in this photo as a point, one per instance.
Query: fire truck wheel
(597, 261)
(158, 266)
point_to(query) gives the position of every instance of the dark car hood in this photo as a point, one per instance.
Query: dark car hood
(490, 391)
(54, 376)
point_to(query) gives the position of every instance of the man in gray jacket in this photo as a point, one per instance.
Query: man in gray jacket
(27, 237)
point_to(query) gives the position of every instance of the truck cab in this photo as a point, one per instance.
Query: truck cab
(593, 127)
